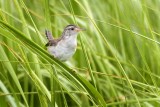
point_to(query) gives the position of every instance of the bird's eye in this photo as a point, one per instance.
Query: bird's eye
(72, 28)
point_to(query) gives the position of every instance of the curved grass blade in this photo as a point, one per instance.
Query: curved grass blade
(38, 50)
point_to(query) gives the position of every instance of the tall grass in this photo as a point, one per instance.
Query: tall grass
(116, 62)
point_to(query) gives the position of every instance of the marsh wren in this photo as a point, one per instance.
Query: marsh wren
(65, 46)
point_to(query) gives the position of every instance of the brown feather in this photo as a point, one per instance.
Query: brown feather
(51, 40)
(49, 35)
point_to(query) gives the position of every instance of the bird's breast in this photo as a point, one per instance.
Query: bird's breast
(64, 49)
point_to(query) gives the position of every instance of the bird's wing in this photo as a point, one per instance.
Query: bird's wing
(52, 42)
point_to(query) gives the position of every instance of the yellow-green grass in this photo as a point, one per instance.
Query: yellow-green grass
(116, 62)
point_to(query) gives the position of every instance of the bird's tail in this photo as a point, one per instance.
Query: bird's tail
(49, 35)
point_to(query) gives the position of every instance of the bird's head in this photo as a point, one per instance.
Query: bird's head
(72, 30)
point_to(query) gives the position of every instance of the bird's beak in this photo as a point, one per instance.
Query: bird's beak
(79, 29)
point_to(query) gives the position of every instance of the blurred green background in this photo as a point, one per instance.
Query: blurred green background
(116, 63)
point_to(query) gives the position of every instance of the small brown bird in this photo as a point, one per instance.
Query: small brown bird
(64, 47)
